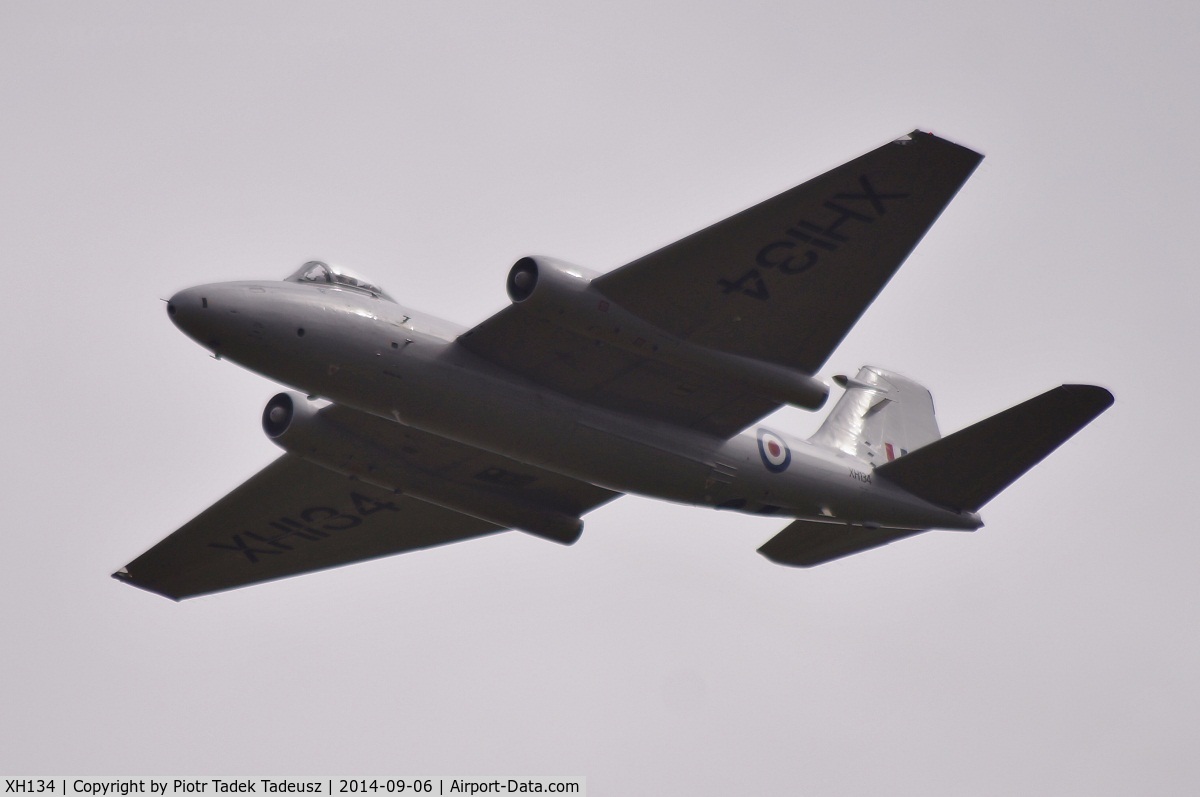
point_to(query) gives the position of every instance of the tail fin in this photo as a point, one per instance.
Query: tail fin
(881, 417)
(969, 468)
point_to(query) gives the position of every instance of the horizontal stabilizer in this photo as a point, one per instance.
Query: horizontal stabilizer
(969, 468)
(812, 542)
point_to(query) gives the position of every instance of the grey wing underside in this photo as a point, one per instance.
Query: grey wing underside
(806, 543)
(782, 282)
(295, 517)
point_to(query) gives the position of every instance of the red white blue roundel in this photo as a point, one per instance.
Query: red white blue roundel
(774, 452)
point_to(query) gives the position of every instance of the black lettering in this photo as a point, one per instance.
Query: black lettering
(289, 526)
(844, 214)
(329, 518)
(783, 255)
(871, 195)
(797, 266)
(239, 546)
(369, 506)
(759, 291)
(826, 239)
(273, 540)
(763, 259)
(728, 286)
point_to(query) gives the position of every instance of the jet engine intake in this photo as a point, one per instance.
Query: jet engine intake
(549, 287)
(285, 413)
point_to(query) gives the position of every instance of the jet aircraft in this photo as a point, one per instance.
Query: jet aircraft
(403, 432)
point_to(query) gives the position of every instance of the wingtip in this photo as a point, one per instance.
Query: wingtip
(931, 136)
(123, 575)
(1101, 397)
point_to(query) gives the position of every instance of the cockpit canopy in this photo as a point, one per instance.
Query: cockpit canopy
(318, 273)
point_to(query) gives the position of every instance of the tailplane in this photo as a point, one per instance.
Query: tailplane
(969, 468)
(881, 417)
(810, 542)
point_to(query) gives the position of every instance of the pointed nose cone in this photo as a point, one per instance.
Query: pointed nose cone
(189, 310)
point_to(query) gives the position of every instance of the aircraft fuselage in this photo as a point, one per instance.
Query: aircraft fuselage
(381, 358)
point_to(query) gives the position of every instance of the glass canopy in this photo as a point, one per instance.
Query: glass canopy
(316, 272)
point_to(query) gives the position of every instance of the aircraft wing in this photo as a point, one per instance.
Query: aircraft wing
(295, 517)
(782, 282)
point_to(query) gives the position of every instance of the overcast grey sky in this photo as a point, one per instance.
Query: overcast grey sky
(152, 146)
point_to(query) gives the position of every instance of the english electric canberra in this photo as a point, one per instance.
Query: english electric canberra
(408, 432)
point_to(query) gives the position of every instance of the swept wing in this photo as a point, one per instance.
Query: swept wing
(782, 282)
(295, 517)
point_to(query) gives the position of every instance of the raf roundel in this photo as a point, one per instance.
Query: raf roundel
(774, 452)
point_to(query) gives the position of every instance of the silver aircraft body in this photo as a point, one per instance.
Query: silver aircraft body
(409, 432)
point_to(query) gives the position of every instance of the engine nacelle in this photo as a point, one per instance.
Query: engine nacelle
(297, 426)
(551, 287)
(563, 295)
(287, 416)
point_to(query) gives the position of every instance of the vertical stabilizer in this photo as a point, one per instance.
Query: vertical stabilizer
(881, 417)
